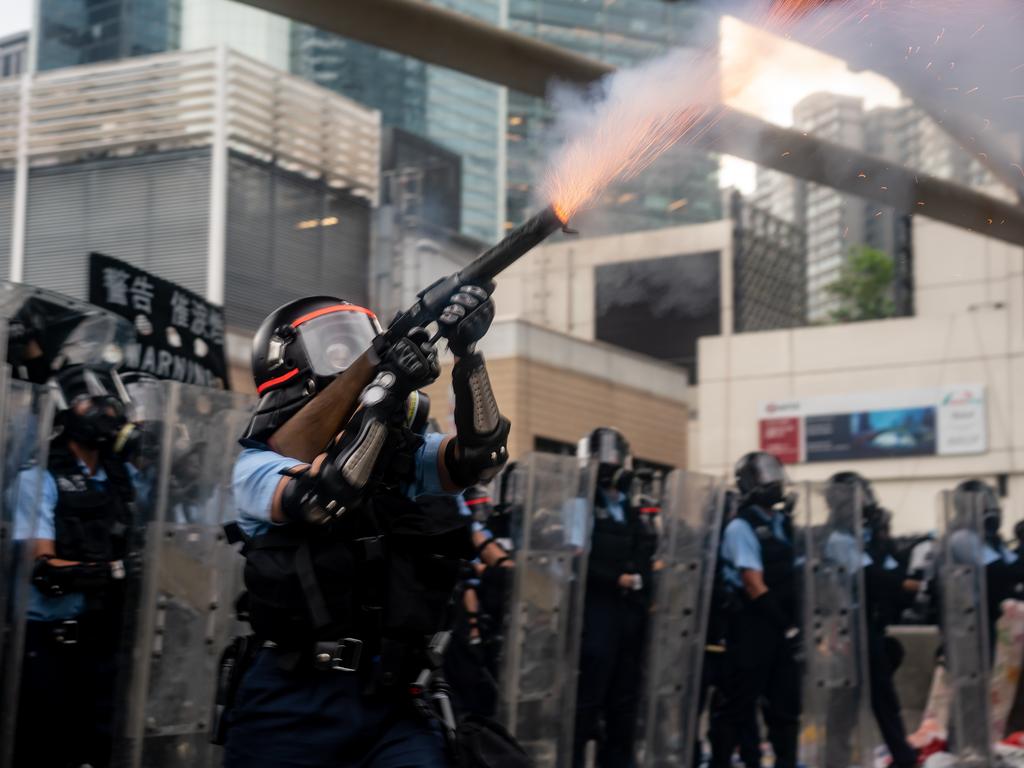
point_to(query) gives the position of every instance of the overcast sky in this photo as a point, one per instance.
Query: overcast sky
(15, 17)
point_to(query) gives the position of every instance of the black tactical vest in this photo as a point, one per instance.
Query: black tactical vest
(778, 558)
(91, 524)
(384, 573)
(617, 548)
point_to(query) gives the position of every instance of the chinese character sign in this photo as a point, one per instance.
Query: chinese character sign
(180, 334)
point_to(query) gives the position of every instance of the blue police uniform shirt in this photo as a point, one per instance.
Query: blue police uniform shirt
(967, 547)
(741, 551)
(615, 507)
(35, 502)
(257, 474)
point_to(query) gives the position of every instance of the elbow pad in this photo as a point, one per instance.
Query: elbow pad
(54, 581)
(482, 432)
(344, 475)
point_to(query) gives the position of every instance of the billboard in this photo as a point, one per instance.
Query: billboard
(943, 421)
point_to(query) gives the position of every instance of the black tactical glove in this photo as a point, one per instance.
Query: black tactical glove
(413, 363)
(466, 319)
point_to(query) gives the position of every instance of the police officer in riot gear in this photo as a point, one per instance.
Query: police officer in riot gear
(763, 641)
(618, 595)
(472, 660)
(849, 495)
(351, 560)
(976, 499)
(75, 515)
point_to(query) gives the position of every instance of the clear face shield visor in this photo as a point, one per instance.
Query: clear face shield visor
(612, 450)
(106, 388)
(334, 337)
(769, 470)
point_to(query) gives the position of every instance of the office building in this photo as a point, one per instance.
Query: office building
(682, 186)
(460, 113)
(13, 54)
(74, 32)
(271, 203)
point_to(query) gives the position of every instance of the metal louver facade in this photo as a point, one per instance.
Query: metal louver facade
(6, 222)
(149, 210)
(289, 236)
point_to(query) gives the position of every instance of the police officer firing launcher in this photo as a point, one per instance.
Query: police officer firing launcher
(351, 559)
(763, 643)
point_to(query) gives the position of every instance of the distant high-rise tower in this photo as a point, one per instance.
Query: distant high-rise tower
(682, 186)
(73, 32)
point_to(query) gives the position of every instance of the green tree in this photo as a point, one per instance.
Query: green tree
(863, 288)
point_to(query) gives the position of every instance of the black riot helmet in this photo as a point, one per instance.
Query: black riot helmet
(844, 491)
(975, 499)
(298, 350)
(760, 479)
(91, 404)
(611, 450)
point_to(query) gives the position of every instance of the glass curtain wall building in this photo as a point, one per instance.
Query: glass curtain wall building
(682, 187)
(460, 113)
(73, 32)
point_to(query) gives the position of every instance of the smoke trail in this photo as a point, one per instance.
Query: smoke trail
(617, 128)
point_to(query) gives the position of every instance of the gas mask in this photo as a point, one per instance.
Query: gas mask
(96, 421)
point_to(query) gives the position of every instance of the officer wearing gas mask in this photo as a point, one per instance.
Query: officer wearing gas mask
(75, 516)
(849, 495)
(975, 499)
(351, 560)
(764, 646)
(618, 595)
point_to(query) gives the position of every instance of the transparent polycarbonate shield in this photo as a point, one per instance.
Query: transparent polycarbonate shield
(544, 623)
(836, 713)
(965, 625)
(26, 422)
(189, 579)
(40, 326)
(691, 518)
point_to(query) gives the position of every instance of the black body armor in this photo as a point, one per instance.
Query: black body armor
(91, 524)
(617, 548)
(778, 558)
(382, 574)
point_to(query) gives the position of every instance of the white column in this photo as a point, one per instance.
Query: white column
(218, 182)
(17, 266)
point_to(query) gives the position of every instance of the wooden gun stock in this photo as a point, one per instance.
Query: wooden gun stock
(307, 434)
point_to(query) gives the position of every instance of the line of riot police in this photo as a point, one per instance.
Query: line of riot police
(591, 612)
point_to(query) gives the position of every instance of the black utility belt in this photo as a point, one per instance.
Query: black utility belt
(342, 655)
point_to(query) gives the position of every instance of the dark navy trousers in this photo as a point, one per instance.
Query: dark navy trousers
(316, 719)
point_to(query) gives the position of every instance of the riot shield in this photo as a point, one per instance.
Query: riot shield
(965, 626)
(183, 601)
(543, 627)
(691, 517)
(41, 331)
(836, 714)
(26, 419)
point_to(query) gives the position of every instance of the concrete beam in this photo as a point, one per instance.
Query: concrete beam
(443, 37)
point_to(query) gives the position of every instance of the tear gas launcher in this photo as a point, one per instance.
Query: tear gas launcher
(308, 432)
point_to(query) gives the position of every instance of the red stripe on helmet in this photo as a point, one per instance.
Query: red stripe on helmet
(481, 500)
(274, 382)
(328, 310)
